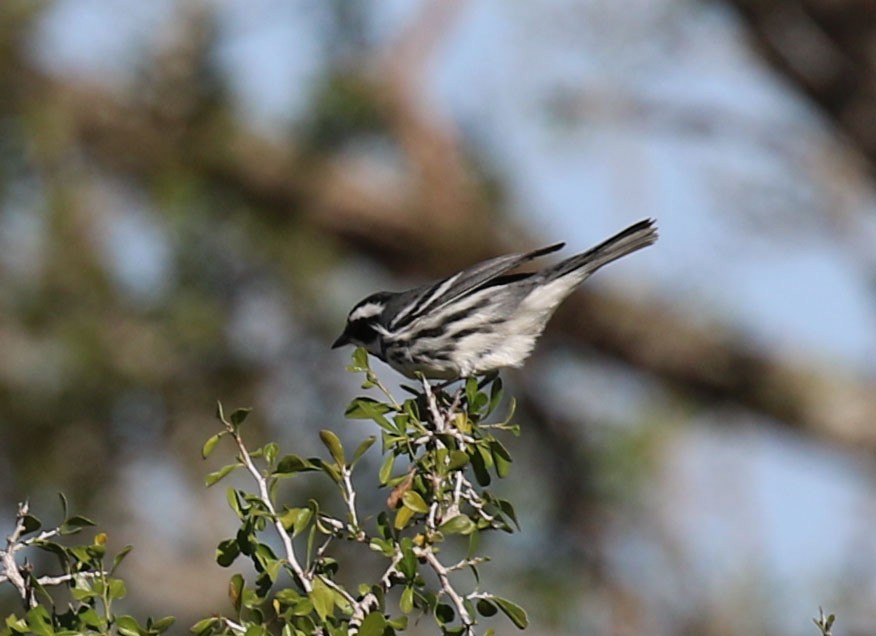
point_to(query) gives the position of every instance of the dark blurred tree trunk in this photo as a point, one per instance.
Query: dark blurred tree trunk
(826, 48)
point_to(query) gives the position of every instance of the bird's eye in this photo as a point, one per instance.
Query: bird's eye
(362, 331)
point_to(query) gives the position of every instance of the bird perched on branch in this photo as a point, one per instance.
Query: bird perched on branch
(482, 318)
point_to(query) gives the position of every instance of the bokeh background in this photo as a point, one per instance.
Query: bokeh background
(193, 194)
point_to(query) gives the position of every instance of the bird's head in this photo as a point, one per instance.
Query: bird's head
(363, 328)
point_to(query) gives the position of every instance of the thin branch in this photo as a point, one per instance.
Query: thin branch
(266, 499)
(11, 571)
(442, 573)
(237, 628)
(64, 578)
(437, 418)
(340, 590)
(349, 495)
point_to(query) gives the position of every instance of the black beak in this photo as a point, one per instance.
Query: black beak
(342, 340)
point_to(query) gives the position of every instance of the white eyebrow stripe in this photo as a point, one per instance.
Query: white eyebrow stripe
(368, 310)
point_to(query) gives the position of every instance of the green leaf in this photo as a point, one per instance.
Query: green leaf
(471, 391)
(235, 592)
(226, 552)
(127, 626)
(30, 524)
(251, 600)
(272, 569)
(474, 540)
(444, 614)
(359, 361)
(402, 517)
(415, 502)
(64, 506)
(508, 510)
(323, 599)
(385, 473)
(457, 459)
(460, 524)
(117, 589)
(18, 625)
(400, 624)
(223, 472)
(513, 611)
(406, 602)
(74, 524)
(481, 400)
(363, 448)
(462, 422)
(234, 501)
(485, 608)
(161, 625)
(330, 469)
(91, 618)
(39, 621)
(210, 444)
(495, 394)
(293, 464)
(333, 444)
(240, 415)
(311, 536)
(117, 560)
(56, 549)
(270, 451)
(289, 516)
(408, 564)
(342, 603)
(86, 553)
(501, 457)
(478, 464)
(204, 625)
(264, 556)
(364, 408)
(287, 596)
(373, 625)
(302, 521)
(303, 607)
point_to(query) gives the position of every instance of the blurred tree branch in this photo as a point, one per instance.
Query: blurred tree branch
(424, 211)
(706, 360)
(825, 47)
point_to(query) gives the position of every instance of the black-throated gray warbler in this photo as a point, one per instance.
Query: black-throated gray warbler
(481, 318)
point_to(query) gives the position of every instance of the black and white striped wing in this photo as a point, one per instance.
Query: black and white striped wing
(435, 296)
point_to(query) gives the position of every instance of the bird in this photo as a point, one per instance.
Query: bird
(481, 319)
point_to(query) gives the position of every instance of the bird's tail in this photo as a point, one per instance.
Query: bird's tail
(635, 237)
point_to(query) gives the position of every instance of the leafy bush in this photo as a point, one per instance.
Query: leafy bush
(440, 454)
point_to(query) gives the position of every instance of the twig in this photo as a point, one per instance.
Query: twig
(441, 572)
(373, 379)
(349, 495)
(439, 421)
(11, 571)
(237, 628)
(245, 457)
(63, 578)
